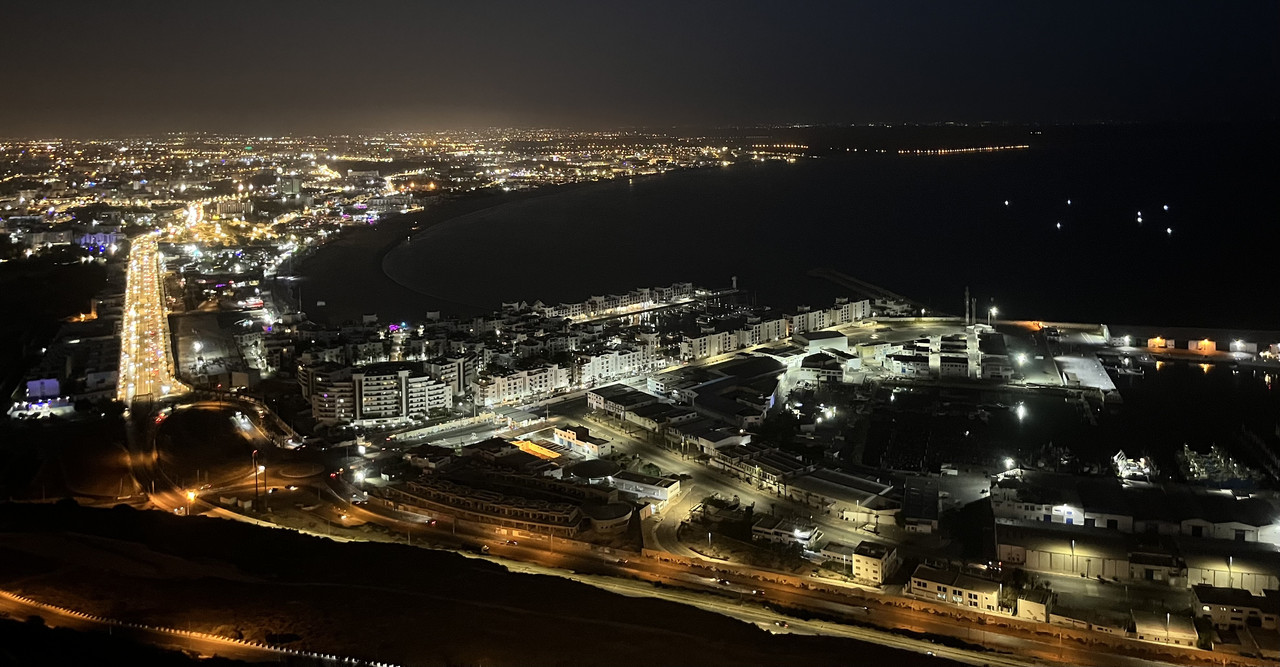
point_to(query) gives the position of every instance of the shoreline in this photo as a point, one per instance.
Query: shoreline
(348, 275)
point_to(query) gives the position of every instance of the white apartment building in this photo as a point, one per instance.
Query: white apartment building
(512, 385)
(457, 371)
(708, 344)
(808, 320)
(908, 365)
(331, 392)
(843, 312)
(381, 394)
(598, 306)
(605, 366)
(757, 331)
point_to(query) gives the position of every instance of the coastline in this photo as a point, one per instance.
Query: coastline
(348, 276)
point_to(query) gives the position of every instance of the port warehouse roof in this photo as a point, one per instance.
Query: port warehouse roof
(623, 395)
(1140, 500)
(843, 487)
(1083, 542)
(1201, 553)
(661, 412)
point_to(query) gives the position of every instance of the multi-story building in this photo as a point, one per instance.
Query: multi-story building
(610, 365)
(952, 587)
(616, 304)
(378, 394)
(843, 312)
(869, 562)
(953, 366)
(758, 330)
(618, 400)
(457, 371)
(908, 365)
(873, 562)
(1236, 608)
(491, 389)
(331, 392)
(708, 343)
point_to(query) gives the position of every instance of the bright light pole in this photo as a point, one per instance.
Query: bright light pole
(256, 469)
(991, 312)
(191, 499)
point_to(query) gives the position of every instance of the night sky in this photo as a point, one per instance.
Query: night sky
(95, 68)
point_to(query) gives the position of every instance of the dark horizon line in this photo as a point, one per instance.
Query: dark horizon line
(658, 129)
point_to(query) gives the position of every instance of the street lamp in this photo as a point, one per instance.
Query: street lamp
(257, 469)
(991, 312)
(191, 499)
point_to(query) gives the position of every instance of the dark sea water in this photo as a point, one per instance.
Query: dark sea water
(927, 226)
(923, 226)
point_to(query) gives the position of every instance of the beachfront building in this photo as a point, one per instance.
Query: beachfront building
(620, 304)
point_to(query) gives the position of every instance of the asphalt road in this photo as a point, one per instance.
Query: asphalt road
(205, 647)
(145, 364)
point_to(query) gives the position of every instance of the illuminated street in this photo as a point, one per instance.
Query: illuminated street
(146, 363)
